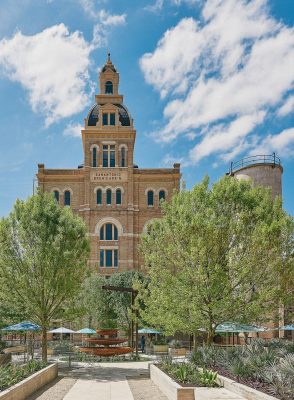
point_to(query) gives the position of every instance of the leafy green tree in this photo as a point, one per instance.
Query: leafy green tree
(43, 255)
(217, 255)
(95, 303)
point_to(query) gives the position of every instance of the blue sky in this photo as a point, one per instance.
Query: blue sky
(207, 82)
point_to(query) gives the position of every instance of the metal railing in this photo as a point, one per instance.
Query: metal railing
(258, 159)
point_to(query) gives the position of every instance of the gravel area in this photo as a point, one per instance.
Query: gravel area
(145, 389)
(56, 390)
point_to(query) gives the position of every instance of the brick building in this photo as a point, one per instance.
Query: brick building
(114, 197)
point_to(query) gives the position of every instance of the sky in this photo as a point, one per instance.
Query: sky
(206, 81)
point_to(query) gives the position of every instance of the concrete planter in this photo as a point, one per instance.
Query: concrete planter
(168, 386)
(177, 352)
(160, 348)
(243, 390)
(25, 388)
(5, 358)
(174, 391)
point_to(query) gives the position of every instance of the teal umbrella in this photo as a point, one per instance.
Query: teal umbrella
(232, 327)
(86, 331)
(289, 327)
(148, 330)
(22, 327)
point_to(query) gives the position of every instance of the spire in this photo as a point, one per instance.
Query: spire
(108, 58)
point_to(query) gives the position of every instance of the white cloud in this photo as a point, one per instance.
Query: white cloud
(158, 5)
(287, 107)
(224, 137)
(234, 63)
(73, 130)
(94, 11)
(53, 67)
(281, 143)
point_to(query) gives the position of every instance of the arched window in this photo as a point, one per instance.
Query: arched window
(108, 196)
(118, 196)
(161, 195)
(56, 195)
(67, 198)
(108, 232)
(108, 87)
(123, 157)
(150, 198)
(94, 157)
(99, 196)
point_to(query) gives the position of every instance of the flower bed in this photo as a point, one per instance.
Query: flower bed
(12, 373)
(265, 366)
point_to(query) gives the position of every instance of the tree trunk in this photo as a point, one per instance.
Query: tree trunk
(44, 343)
(194, 341)
(210, 335)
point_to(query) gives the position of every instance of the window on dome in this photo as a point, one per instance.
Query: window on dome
(108, 232)
(105, 119)
(108, 196)
(112, 119)
(99, 196)
(118, 196)
(94, 157)
(108, 87)
(161, 195)
(67, 198)
(150, 198)
(56, 195)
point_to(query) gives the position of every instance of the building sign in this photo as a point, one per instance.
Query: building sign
(109, 176)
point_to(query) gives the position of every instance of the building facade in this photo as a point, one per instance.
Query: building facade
(115, 198)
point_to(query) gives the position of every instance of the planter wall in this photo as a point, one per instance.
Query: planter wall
(243, 390)
(160, 348)
(178, 352)
(25, 388)
(169, 387)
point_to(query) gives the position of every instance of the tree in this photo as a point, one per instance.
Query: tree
(95, 303)
(216, 255)
(43, 255)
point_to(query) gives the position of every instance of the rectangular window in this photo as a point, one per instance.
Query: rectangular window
(101, 258)
(108, 231)
(115, 264)
(112, 119)
(112, 156)
(108, 258)
(105, 119)
(105, 156)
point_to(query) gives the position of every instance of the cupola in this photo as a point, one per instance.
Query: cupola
(109, 78)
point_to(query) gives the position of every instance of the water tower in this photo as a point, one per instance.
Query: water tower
(263, 170)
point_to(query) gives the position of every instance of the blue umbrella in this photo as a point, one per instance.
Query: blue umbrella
(148, 330)
(232, 327)
(23, 326)
(86, 331)
(289, 327)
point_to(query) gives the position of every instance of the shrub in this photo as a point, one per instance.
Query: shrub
(12, 374)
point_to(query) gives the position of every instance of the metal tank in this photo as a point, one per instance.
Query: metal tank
(263, 170)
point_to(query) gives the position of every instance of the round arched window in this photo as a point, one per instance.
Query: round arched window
(108, 232)
(108, 87)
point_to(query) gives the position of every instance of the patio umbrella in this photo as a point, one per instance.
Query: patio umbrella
(61, 330)
(148, 330)
(23, 327)
(289, 327)
(232, 327)
(86, 331)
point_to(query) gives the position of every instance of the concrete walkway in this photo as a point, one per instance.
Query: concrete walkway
(105, 381)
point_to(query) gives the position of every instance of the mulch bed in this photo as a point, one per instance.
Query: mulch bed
(257, 385)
